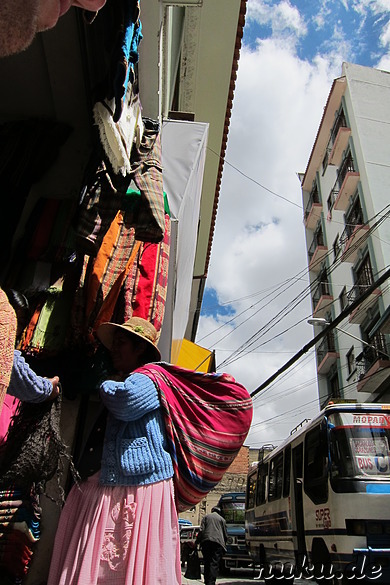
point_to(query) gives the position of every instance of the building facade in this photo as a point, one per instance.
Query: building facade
(345, 191)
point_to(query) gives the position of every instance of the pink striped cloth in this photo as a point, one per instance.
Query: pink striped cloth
(117, 536)
(207, 418)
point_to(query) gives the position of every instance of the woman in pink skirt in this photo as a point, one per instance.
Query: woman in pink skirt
(120, 527)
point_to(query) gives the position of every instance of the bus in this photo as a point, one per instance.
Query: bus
(318, 505)
(232, 507)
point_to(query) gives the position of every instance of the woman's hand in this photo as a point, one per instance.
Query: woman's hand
(56, 388)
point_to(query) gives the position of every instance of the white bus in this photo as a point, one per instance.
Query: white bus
(318, 506)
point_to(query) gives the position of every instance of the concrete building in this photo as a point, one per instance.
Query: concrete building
(345, 191)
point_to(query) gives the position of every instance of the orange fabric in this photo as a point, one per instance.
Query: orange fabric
(28, 335)
(100, 265)
(108, 306)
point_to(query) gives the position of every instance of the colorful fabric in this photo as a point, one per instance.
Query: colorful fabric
(52, 324)
(207, 418)
(20, 516)
(106, 193)
(10, 406)
(127, 53)
(7, 343)
(145, 295)
(117, 536)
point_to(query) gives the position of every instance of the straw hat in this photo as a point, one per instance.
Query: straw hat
(136, 326)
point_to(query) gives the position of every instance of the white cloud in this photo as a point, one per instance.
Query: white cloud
(259, 240)
(284, 19)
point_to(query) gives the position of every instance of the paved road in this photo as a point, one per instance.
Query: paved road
(238, 577)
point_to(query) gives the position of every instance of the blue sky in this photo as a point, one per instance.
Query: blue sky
(256, 304)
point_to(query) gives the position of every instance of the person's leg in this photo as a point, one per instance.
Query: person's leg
(215, 559)
(206, 551)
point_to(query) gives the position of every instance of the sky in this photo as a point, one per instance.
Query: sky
(257, 299)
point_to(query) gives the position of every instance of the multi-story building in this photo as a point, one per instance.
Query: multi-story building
(345, 189)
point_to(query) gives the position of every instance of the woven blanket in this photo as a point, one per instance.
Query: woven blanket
(207, 418)
(7, 343)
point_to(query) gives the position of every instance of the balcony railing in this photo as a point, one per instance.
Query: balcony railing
(339, 139)
(373, 365)
(317, 251)
(322, 299)
(326, 354)
(352, 239)
(340, 122)
(313, 209)
(345, 184)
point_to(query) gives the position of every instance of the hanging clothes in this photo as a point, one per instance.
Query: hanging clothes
(105, 194)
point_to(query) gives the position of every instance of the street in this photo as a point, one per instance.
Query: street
(237, 577)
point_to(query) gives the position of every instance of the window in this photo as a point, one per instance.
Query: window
(287, 472)
(333, 386)
(275, 483)
(351, 361)
(261, 493)
(325, 160)
(336, 248)
(316, 465)
(251, 491)
(343, 299)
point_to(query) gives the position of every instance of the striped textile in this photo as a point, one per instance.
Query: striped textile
(145, 291)
(7, 343)
(207, 418)
(20, 517)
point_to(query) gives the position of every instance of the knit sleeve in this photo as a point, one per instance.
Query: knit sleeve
(131, 399)
(25, 384)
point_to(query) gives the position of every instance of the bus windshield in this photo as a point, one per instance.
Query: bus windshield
(233, 511)
(359, 445)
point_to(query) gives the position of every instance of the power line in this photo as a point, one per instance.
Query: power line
(325, 331)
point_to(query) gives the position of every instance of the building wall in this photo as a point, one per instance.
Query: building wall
(365, 100)
(234, 480)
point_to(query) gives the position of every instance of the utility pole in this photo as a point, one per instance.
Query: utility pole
(347, 311)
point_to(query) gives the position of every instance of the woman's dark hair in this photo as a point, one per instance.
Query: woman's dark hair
(17, 299)
(21, 306)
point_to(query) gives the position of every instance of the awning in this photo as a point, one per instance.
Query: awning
(195, 357)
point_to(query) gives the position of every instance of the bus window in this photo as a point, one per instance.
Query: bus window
(261, 492)
(251, 491)
(275, 482)
(287, 471)
(359, 446)
(316, 466)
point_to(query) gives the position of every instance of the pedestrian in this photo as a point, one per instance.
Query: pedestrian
(21, 20)
(212, 538)
(120, 526)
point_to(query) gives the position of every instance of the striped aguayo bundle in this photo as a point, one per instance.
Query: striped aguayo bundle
(207, 418)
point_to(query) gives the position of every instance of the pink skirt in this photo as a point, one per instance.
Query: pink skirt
(117, 536)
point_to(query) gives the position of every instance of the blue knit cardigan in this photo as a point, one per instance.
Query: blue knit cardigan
(135, 446)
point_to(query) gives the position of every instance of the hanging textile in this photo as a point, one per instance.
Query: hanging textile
(106, 193)
(117, 138)
(145, 295)
(49, 334)
(27, 149)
